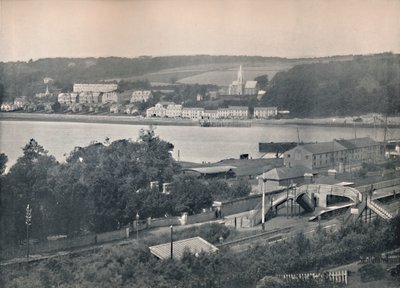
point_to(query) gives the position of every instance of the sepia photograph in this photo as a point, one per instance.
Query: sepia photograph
(200, 143)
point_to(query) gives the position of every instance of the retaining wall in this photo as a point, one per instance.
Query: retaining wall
(202, 217)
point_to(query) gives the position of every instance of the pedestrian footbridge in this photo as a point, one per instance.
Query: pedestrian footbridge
(316, 195)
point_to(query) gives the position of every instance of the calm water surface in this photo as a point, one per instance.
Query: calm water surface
(194, 143)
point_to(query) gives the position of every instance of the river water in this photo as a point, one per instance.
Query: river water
(196, 144)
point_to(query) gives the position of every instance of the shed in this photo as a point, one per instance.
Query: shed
(193, 245)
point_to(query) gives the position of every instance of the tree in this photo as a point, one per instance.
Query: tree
(262, 81)
(3, 161)
(27, 183)
(190, 194)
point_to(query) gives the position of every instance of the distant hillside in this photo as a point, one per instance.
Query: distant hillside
(363, 85)
(26, 78)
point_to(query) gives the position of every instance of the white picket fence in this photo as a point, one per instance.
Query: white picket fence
(328, 276)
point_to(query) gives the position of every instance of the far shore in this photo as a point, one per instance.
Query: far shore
(393, 122)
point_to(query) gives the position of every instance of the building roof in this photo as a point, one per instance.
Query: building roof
(211, 169)
(285, 173)
(323, 147)
(193, 245)
(141, 92)
(250, 84)
(357, 143)
(193, 108)
(238, 107)
(265, 108)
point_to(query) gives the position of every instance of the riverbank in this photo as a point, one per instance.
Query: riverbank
(393, 122)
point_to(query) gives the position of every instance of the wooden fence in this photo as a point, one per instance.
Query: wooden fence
(328, 276)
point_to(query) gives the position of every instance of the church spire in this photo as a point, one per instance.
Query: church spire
(240, 75)
(240, 82)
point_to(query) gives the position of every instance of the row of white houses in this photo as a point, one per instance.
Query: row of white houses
(102, 97)
(172, 110)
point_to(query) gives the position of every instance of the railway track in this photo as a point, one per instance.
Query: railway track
(270, 236)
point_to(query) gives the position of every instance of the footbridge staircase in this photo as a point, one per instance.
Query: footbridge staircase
(302, 199)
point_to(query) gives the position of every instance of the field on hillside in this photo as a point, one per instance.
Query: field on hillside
(223, 77)
(219, 74)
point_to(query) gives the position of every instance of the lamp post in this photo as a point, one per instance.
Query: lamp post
(172, 242)
(263, 202)
(137, 227)
(28, 222)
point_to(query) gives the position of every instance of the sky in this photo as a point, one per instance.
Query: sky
(286, 28)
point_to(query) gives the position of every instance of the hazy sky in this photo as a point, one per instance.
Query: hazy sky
(298, 28)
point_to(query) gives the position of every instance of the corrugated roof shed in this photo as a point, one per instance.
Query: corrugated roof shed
(193, 245)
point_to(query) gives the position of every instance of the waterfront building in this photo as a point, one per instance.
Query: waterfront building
(20, 102)
(141, 96)
(265, 112)
(210, 114)
(173, 110)
(192, 112)
(8, 106)
(339, 154)
(157, 111)
(233, 112)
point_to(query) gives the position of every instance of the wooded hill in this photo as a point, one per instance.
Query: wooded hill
(26, 78)
(363, 85)
(312, 87)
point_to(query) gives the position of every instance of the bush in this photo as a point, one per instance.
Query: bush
(371, 272)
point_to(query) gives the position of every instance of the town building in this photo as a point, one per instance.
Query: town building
(99, 88)
(130, 109)
(283, 177)
(233, 112)
(236, 88)
(338, 154)
(68, 98)
(251, 88)
(8, 106)
(173, 110)
(90, 97)
(20, 102)
(192, 112)
(156, 111)
(141, 96)
(116, 108)
(210, 114)
(265, 112)
(46, 94)
(239, 87)
(110, 97)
